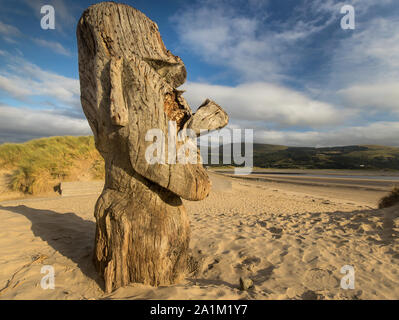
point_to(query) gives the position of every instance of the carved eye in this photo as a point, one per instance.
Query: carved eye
(174, 73)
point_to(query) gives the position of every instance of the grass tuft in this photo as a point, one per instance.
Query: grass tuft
(38, 165)
(390, 200)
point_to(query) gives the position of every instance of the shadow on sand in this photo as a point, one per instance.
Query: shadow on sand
(67, 233)
(73, 237)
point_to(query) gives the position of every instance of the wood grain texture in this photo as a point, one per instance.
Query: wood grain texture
(209, 116)
(128, 82)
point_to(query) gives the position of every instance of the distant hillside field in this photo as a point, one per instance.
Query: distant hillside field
(350, 157)
(38, 165)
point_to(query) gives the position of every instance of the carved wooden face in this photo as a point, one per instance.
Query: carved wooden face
(128, 87)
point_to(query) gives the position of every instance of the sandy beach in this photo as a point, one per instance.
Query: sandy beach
(290, 240)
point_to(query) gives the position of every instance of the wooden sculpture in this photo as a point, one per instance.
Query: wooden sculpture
(128, 82)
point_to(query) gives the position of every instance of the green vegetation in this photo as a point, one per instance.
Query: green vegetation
(349, 157)
(38, 165)
(390, 200)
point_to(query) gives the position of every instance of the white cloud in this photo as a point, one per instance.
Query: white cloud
(10, 33)
(24, 80)
(222, 36)
(369, 56)
(9, 30)
(362, 72)
(378, 96)
(53, 45)
(365, 67)
(18, 124)
(333, 7)
(264, 106)
(380, 42)
(267, 103)
(380, 133)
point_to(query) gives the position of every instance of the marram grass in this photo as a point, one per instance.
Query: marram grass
(38, 165)
(390, 200)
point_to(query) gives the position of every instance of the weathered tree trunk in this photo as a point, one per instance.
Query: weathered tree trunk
(128, 86)
(142, 230)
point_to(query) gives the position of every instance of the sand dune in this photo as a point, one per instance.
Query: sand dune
(291, 242)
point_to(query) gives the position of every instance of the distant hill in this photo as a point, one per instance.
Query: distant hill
(38, 165)
(348, 157)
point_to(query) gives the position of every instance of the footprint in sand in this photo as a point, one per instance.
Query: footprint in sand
(311, 295)
(262, 223)
(310, 256)
(319, 280)
(251, 262)
(276, 232)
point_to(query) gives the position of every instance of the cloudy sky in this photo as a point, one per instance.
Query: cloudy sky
(283, 68)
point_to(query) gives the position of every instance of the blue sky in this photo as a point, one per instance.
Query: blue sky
(283, 68)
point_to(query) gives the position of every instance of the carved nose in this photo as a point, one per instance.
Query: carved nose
(118, 110)
(118, 120)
